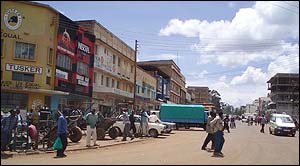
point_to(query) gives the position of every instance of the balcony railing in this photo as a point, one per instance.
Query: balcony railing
(112, 90)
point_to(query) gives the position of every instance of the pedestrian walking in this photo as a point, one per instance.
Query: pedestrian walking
(8, 126)
(144, 123)
(209, 130)
(132, 120)
(218, 128)
(91, 122)
(232, 122)
(226, 121)
(263, 122)
(62, 132)
(126, 123)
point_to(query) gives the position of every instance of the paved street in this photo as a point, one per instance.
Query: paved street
(243, 145)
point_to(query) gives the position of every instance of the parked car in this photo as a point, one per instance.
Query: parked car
(282, 124)
(154, 130)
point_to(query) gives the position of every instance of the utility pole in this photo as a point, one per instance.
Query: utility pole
(135, 66)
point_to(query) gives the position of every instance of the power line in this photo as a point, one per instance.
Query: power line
(287, 9)
(291, 4)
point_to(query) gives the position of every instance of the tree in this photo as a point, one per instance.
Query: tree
(216, 97)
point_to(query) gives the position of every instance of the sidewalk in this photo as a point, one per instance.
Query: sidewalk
(81, 145)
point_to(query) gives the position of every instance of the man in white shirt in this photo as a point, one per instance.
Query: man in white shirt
(153, 118)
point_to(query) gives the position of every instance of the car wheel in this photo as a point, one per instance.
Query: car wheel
(153, 133)
(113, 132)
(293, 135)
(75, 134)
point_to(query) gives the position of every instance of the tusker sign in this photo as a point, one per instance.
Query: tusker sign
(24, 68)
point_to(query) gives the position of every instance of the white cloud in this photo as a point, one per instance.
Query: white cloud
(254, 34)
(284, 64)
(252, 75)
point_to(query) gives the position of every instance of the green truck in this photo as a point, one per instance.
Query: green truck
(184, 115)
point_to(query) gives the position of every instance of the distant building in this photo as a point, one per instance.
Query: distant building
(251, 108)
(262, 104)
(177, 80)
(201, 96)
(284, 89)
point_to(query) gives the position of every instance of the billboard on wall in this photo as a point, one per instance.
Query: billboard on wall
(74, 44)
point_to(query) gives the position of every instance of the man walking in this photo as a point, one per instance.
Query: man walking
(131, 119)
(226, 121)
(263, 122)
(126, 122)
(91, 122)
(8, 125)
(62, 132)
(209, 130)
(218, 128)
(144, 123)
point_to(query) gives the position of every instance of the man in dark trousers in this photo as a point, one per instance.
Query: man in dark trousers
(210, 135)
(62, 132)
(263, 122)
(8, 125)
(131, 119)
(226, 121)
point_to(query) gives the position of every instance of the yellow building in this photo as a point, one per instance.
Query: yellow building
(28, 46)
(145, 90)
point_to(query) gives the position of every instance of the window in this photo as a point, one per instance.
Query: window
(10, 100)
(114, 59)
(64, 61)
(102, 79)
(131, 69)
(96, 50)
(118, 84)
(95, 75)
(22, 77)
(107, 81)
(25, 50)
(48, 80)
(82, 68)
(112, 83)
(105, 51)
(119, 61)
(50, 55)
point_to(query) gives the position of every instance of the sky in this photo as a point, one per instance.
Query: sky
(233, 47)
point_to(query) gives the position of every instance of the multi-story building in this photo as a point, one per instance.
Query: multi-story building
(177, 80)
(28, 47)
(74, 65)
(201, 94)
(284, 89)
(251, 108)
(145, 90)
(114, 67)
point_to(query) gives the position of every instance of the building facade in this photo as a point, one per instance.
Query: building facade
(28, 46)
(114, 68)
(145, 90)
(284, 89)
(177, 80)
(74, 65)
(262, 104)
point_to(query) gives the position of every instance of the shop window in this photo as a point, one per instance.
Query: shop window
(79, 88)
(22, 77)
(25, 51)
(82, 68)
(48, 80)
(64, 61)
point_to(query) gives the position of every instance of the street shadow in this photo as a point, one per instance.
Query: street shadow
(6, 156)
(193, 129)
(160, 137)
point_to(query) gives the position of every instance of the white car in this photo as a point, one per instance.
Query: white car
(282, 124)
(155, 129)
